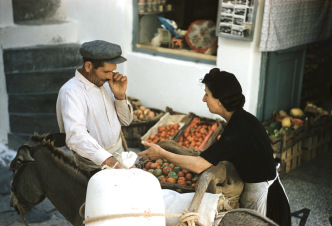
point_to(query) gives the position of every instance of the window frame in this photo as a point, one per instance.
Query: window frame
(166, 52)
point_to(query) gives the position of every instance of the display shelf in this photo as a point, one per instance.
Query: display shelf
(182, 52)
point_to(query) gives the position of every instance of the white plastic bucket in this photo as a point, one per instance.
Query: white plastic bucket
(117, 192)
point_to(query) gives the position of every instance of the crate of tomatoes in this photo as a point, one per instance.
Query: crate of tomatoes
(166, 128)
(171, 176)
(199, 133)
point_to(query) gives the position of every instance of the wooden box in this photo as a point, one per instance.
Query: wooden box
(136, 129)
(166, 119)
(207, 121)
(318, 137)
(290, 157)
(288, 148)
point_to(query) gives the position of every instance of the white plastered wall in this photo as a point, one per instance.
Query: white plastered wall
(157, 81)
(6, 20)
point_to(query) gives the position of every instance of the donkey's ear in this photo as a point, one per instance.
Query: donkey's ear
(23, 156)
(59, 139)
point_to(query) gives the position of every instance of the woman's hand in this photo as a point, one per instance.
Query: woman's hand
(154, 151)
(194, 164)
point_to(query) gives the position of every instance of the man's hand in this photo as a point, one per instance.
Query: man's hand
(112, 162)
(118, 84)
(153, 152)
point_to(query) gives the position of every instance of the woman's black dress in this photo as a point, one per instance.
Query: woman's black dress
(245, 143)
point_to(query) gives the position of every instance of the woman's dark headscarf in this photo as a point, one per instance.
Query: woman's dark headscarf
(226, 88)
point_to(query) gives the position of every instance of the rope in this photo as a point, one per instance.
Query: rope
(19, 207)
(81, 210)
(108, 167)
(186, 218)
(23, 220)
(224, 203)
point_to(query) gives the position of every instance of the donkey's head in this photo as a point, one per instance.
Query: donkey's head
(25, 188)
(26, 185)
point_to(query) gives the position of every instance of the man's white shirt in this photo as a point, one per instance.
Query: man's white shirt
(91, 117)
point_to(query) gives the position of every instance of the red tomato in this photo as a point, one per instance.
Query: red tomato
(166, 170)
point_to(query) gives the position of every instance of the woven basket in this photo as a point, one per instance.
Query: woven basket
(175, 187)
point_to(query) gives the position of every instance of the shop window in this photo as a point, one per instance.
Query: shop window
(182, 29)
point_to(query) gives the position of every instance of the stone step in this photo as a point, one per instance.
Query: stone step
(41, 57)
(32, 103)
(38, 81)
(30, 123)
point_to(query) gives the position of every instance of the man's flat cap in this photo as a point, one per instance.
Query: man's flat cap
(101, 50)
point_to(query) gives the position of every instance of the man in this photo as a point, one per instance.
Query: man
(92, 106)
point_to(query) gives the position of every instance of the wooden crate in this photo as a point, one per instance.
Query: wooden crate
(294, 158)
(291, 157)
(213, 138)
(166, 119)
(288, 149)
(276, 146)
(136, 129)
(318, 138)
(309, 148)
(323, 141)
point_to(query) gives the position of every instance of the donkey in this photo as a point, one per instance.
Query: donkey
(43, 170)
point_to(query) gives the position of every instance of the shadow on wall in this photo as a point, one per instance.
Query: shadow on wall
(31, 10)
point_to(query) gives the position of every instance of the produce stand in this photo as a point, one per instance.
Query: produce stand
(167, 119)
(304, 143)
(210, 129)
(222, 178)
(319, 131)
(287, 146)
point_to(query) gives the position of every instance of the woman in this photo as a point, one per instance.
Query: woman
(244, 143)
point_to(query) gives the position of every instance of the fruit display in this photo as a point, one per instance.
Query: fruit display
(164, 133)
(145, 114)
(169, 173)
(315, 111)
(143, 119)
(285, 123)
(197, 133)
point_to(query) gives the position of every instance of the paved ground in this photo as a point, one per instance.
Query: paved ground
(309, 189)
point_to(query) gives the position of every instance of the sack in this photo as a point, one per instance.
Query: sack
(176, 203)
